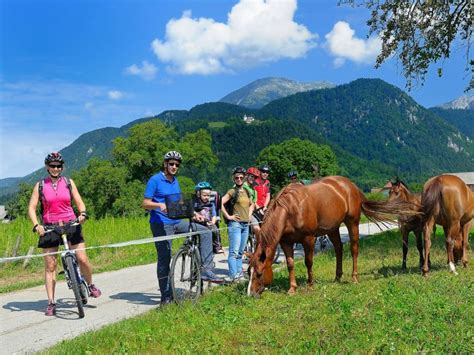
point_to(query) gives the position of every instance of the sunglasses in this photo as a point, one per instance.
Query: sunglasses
(54, 166)
(174, 164)
(238, 178)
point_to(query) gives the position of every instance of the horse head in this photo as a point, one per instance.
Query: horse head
(398, 190)
(260, 271)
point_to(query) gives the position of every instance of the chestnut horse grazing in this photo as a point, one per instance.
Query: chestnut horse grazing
(408, 223)
(314, 210)
(447, 201)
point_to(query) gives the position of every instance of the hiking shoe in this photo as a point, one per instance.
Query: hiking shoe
(94, 292)
(51, 310)
(211, 277)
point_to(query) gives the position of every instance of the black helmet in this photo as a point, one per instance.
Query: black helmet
(264, 168)
(54, 157)
(292, 173)
(238, 170)
(173, 154)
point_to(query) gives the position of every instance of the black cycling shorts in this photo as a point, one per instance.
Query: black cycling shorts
(53, 239)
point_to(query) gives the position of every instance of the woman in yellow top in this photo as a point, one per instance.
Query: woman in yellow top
(239, 217)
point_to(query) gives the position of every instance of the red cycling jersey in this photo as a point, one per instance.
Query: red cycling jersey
(263, 188)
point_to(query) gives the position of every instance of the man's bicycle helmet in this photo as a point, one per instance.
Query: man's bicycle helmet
(264, 168)
(292, 173)
(253, 171)
(203, 185)
(54, 157)
(238, 170)
(173, 154)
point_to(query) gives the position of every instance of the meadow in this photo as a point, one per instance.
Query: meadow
(390, 310)
(14, 276)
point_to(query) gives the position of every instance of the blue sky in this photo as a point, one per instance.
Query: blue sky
(68, 67)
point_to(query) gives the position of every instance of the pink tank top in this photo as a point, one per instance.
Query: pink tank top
(57, 202)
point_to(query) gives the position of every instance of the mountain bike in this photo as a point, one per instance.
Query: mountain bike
(185, 272)
(72, 271)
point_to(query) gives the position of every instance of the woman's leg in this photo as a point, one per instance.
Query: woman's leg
(244, 234)
(234, 243)
(50, 264)
(84, 263)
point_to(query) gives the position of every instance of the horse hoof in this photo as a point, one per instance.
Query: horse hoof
(355, 279)
(291, 292)
(337, 279)
(452, 268)
(425, 273)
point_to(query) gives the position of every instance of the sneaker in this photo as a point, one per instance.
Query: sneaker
(211, 277)
(51, 310)
(219, 251)
(94, 292)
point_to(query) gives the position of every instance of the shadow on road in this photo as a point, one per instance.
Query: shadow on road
(39, 306)
(138, 297)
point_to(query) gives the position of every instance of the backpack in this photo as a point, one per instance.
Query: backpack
(41, 194)
(229, 205)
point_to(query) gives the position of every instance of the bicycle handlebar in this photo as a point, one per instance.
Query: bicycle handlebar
(62, 229)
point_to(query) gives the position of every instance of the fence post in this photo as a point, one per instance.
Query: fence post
(17, 246)
(27, 260)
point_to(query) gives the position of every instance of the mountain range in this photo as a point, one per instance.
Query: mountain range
(375, 129)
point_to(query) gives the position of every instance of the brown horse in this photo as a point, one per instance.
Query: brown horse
(315, 210)
(447, 201)
(408, 223)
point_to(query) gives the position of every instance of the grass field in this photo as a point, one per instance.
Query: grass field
(390, 310)
(14, 276)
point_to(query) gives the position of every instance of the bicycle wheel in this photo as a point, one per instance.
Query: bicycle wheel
(277, 254)
(75, 284)
(185, 275)
(84, 292)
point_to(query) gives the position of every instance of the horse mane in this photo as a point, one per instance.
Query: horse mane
(269, 230)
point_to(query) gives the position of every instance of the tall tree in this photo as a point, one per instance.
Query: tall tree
(300, 155)
(420, 33)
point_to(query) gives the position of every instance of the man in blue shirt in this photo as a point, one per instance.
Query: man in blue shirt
(158, 187)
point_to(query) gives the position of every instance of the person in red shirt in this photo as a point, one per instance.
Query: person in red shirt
(262, 187)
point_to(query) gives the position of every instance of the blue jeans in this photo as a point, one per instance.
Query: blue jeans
(238, 234)
(163, 250)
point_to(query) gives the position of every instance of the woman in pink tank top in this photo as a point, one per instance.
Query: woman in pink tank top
(56, 194)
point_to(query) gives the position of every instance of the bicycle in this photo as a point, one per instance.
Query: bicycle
(72, 271)
(185, 272)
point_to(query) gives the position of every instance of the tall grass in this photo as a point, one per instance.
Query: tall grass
(96, 232)
(390, 310)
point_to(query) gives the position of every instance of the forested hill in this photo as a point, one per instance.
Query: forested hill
(378, 122)
(462, 119)
(375, 129)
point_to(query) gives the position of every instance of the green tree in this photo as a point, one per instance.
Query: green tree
(100, 184)
(420, 33)
(129, 202)
(199, 160)
(300, 155)
(18, 206)
(142, 151)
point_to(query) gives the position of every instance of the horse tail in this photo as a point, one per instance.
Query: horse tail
(430, 199)
(381, 212)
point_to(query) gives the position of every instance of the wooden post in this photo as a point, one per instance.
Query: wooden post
(27, 260)
(17, 246)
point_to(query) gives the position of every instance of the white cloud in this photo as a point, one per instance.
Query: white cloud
(256, 32)
(115, 95)
(342, 44)
(147, 71)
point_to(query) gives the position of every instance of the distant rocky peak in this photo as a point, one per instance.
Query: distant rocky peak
(465, 102)
(262, 91)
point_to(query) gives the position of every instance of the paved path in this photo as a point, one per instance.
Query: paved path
(126, 293)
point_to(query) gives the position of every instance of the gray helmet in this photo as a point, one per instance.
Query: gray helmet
(173, 154)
